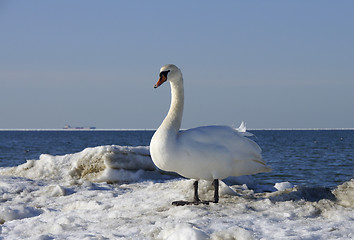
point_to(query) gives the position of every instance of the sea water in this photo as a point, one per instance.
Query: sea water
(103, 185)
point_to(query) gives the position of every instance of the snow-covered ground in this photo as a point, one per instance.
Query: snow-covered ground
(68, 197)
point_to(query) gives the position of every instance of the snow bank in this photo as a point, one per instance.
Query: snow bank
(103, 163)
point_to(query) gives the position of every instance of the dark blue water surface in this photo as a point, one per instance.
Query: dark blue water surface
(302, 157)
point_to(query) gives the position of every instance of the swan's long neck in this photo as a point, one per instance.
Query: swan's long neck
(173, 120)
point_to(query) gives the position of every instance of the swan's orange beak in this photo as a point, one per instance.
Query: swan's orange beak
(161, 80)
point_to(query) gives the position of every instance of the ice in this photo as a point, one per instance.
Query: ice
(114, 192)
(283, 186)
(345, 194)
(57, 191)
(233, 233)
(185, 231)
(89, 164)
(18, 212)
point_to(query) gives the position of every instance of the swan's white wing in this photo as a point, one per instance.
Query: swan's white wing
(209, 134)
(224, 136)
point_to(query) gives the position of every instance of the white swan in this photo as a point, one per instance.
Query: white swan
(209, 152)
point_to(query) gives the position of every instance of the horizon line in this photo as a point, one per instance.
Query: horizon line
(148, 129)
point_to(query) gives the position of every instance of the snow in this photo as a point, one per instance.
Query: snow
(68, 197)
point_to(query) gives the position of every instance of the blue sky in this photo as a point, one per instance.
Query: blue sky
(273, 64)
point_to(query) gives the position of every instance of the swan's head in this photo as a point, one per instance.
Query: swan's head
(171, 73)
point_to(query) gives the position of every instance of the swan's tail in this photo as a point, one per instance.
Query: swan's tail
(264, 167)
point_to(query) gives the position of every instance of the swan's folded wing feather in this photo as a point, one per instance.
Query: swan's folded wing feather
(243, 150)
(224, 136)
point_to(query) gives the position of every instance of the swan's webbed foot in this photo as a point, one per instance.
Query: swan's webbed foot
(197, 201)
(183, 203)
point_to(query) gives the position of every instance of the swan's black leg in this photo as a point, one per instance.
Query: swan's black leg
(216, 190)
(196, 197)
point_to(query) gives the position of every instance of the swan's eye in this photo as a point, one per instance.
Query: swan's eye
(164, 73)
